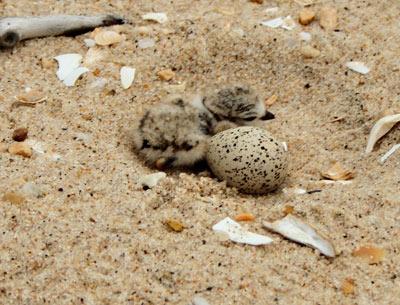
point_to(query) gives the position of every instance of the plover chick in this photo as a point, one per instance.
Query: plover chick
(175, 134)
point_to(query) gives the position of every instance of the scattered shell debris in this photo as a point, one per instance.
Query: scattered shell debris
(31, 97)
(337, 172)
(21, 149)
(158, 17)
(36, 146)
(271, 100)
(380, 128)
(285, 146)
(389, 153)
(328, 18)
(90, 43)
(348, 286)
(305, 36)
(151, 180)
(146, 43)
(295, 229)
(286, 23)
(175, 225)
(238, 234)
(307, 2)
(93, 56)
(106, 38)
(357, 66)
(166, 74)
(296, 191)
(245, 217)
(372, 255)
(271, 10)
(198, 300)
(69, 69)
(127, 76)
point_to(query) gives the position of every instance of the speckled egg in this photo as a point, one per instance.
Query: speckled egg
(248, 158)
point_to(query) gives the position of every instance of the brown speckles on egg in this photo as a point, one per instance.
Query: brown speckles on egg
(248, 158)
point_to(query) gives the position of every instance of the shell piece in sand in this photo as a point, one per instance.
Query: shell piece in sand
(158, 17)
(380, 128)
(273, 23)
(198, 300)
(152, 180)
(127, 76)
(293, 228)
(106, 38)
(357, 66)
(70, 80)
(389, 153)
(237, 234)
(337, 172)
(67, 63)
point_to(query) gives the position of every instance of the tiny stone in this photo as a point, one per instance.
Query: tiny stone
(306, 16)
(328, 18)
(257, 1)
(166, 74)
(13, 198)
(21, 149)
(309, 52)
(175, 225)
(20, 134)
(146, 43)
(150, 181)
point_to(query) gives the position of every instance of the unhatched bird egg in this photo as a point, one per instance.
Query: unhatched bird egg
(248, 158)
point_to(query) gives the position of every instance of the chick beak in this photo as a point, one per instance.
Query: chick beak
(267, 116)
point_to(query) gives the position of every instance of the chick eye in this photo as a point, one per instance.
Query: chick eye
(250, 118)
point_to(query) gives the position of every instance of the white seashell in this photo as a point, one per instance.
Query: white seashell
(380, 128)
(158, 17)
(298, 231)
(285, 147)
(146, 43)
(66, 64)
(89, 43)
(237, 234)
(198, 300)
(273, 23)
(288, 23)
(93, 56)
(152, 180)
(105, 38)
(357, 66)
(389, 153)
(305, 36)
(127, 76)
(70, 80)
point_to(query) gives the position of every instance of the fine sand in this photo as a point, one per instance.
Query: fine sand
(86, 231)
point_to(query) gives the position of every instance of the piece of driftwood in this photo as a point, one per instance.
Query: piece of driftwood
(15, 29)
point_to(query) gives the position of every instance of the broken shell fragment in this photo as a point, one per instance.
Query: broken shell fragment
(158, 17)
(237, 234)
(106, 38)
(389, 153)
(127, 76)
(70, 80)
(67, 63)
(245, 217)
(150, 181)
(20, 149)
(348, 286)
(293, 228)
(357, 66)
(31, 97)
(337, 172)
(372, 255)
(380, 128)
(175, 225)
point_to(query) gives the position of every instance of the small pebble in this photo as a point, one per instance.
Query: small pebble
(166, 75)
(257, 1)
(175, 225)
(198, 300)
(150, 181)
(146, 43)
(21, 149)
(328, 18)
(306, 16)
(310, 52)
(20, 134)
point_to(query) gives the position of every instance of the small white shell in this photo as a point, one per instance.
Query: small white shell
(152, 180)
(67, 63)
(298, 231)
(198, 300)
(70, 80)
(288, 23)
(146, 43)
(273, 23)
(237, 234)
(158, 17)
(380, 128)
(89, 43)
(127, 76)
(105, 38)
(357, 66)
(389, 153)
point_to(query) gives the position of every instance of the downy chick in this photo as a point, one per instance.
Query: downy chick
(176, 133)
